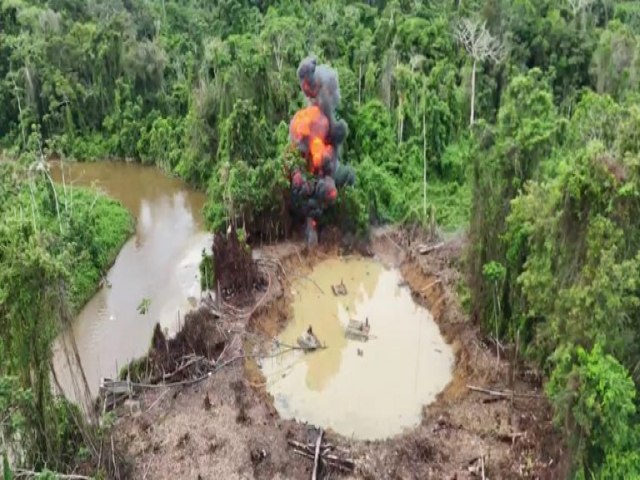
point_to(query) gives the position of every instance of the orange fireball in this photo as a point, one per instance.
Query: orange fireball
(310, 127)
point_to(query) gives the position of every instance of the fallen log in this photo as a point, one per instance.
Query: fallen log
(316, 457)
(425, 249)
(505, 393)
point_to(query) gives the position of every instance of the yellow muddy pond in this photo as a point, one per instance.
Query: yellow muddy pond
(363, 389)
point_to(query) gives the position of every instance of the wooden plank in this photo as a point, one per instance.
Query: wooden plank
(115, 386)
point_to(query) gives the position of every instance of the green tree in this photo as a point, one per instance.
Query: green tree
(594, 398)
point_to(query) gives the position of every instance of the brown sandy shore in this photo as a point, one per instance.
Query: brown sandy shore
(225, 427)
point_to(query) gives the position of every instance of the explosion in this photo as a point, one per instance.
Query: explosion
(317, 134)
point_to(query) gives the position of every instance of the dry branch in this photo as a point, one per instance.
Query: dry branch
(314, 282)
(430, 285)
(505, 393)
(346, 465)
(333, 461)
(21, 473)
(186, 365)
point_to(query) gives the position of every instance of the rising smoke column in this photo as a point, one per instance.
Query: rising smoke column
(318, 135)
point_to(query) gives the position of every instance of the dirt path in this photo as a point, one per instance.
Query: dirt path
(226, 427)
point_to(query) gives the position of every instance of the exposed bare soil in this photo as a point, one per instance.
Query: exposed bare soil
(226, 426)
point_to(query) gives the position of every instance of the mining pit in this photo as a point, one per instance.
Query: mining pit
(398, 405)
(369, 384)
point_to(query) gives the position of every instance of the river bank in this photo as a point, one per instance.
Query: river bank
(152, 276)
(225, 424)
(56, 242)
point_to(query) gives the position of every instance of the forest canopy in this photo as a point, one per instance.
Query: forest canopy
(515, 119)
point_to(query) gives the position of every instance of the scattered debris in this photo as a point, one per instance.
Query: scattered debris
(242, 402)
(183, 440)
(340, 289)
(213, 447)
(319, 453)
(308, 340)
(511, 437)
(133, 406)
(144, 305)
(476, 467)
(258, 455)
(357, 330)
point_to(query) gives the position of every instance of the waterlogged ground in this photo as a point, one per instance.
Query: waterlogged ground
(364, 390)
(159, 263)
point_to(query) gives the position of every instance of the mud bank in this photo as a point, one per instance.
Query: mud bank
(225, 426)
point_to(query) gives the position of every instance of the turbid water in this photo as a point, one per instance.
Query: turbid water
(159, 263)
(366, 390)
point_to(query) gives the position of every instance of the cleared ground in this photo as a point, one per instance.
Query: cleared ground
(226, 426)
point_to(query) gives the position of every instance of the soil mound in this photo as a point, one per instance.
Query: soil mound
(189, 354)
(235, 272)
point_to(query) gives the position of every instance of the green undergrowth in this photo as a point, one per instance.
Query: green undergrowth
(103, 226)
(55, 244)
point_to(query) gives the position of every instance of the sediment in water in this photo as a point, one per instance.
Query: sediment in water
(362, 389)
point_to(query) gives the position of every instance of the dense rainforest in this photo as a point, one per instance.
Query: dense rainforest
(516, 120)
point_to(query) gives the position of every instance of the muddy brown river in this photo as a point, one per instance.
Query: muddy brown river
(362, 389)
(159, 263)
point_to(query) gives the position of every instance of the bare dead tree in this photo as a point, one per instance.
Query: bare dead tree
(580, 10)
(579, 5)
(481, 46)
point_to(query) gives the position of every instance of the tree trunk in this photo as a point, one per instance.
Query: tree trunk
(360, 83)
(473, 93)
(400, 118)
(24, 137)
(424, 163)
